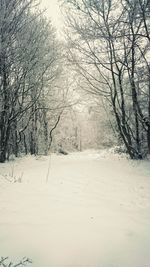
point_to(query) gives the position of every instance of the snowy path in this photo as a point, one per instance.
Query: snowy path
(93, 212)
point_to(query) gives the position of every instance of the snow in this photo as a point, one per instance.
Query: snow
(94, 211)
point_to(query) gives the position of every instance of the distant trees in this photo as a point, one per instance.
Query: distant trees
(85, 126)
(30, 60)
(109, 46)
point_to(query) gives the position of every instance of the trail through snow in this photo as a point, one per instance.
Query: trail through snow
(93, 212)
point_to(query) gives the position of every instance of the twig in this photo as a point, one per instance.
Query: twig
(23, 262)
(49, 166)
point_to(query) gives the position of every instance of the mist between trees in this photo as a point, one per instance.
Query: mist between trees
(105, 58)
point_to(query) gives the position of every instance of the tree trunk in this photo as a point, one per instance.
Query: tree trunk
(25, 144)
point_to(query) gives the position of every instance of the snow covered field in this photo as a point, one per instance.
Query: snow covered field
(93, 212)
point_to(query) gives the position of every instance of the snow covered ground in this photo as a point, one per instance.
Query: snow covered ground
(93, 212)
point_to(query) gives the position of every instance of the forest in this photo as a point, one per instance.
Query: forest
(105, 52)
(74, 133)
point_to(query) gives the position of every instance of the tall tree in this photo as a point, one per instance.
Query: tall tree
(109, 46)
(28, 66)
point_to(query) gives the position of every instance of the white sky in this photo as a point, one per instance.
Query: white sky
(53, 11)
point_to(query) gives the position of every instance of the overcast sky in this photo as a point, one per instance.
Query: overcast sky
(53, 11)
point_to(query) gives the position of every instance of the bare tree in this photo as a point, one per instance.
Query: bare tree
(29, 66)
(109, 47)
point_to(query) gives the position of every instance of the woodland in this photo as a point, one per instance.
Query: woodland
(90, 89)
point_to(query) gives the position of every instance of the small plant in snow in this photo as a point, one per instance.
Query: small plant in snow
(13, 178)
(5, 262)
(18, 179)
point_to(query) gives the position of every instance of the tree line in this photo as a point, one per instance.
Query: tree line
(108, 44)
(31, 99)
